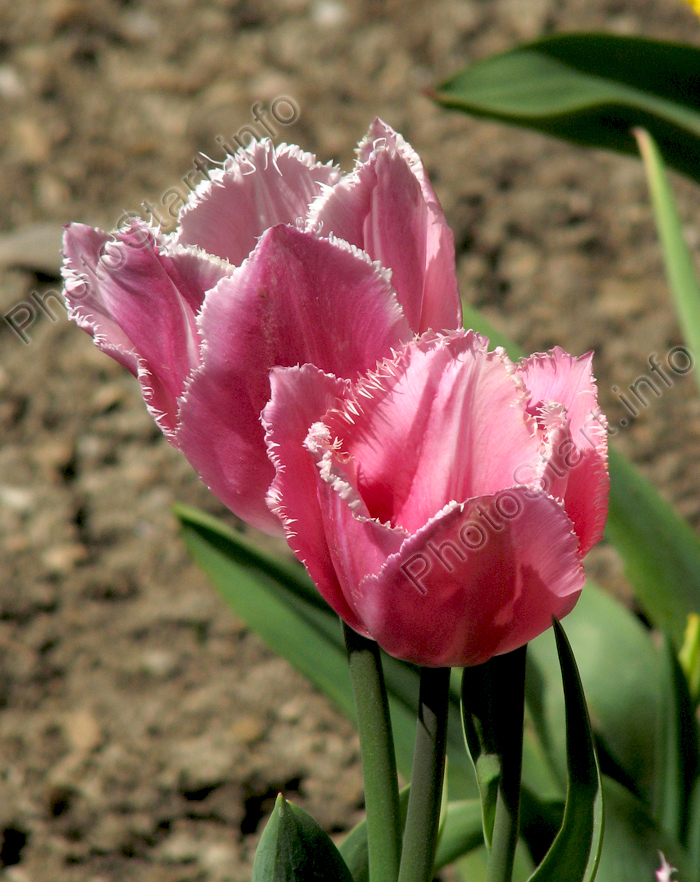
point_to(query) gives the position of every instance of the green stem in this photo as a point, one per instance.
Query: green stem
(423, 818)
(378, 758)
(511, 706)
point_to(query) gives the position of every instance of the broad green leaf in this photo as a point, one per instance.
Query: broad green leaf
(660, 551)
(621, 671)
(679, 754)
(632, 841)
(280, 603)
(591, 89)
(473, 866)
(461, 833)
(293, 848)
(575, 852)
(680, 270)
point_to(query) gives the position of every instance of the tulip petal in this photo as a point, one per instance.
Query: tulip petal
(469, 586)
(257, 188)
(300, 396)
(141, 301)
(580, 454)
(388, 208)
(558, 376)
(82, 249)
(298, 300)
(444, 420)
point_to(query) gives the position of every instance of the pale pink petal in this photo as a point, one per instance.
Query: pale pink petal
(141, 301)
(444, 420)
(476, 581)
(579, 456)
(257, 188)
(298, 300)
(388, 208)
(300, 396)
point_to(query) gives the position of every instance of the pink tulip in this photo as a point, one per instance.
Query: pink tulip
(443, 502)
(278, 261)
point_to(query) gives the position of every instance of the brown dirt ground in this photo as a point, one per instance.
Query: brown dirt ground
(143, 729)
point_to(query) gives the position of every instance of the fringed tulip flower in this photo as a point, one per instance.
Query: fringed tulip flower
(443, 502)
(278, 260)
(296, 339)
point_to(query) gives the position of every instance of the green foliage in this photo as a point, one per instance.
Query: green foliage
(576, 850)
(591, 89)
(679, 753)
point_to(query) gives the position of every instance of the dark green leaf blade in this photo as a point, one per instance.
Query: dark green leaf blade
(293, 848)
(575, 852)
(591, 89)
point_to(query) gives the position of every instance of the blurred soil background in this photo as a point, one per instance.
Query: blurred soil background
(144, 731)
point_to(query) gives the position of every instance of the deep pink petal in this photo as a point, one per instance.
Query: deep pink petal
(444, 420)
(300, 396)
(471, 585)
(578, 470)
(257, 188)
(141, 301)
(388, 208)
(298, 300)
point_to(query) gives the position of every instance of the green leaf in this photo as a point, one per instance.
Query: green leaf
(679, 755)
(660, 551)
(680, 270)
(633, 841)
(575, 852)
(591, 89)
(280, 603)
(293, 848)
(461, 833)
(621, 671)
